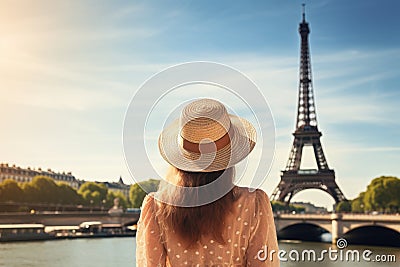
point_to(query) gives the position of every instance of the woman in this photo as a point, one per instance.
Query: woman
(199, 217)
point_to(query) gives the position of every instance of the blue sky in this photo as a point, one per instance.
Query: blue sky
(69, 68)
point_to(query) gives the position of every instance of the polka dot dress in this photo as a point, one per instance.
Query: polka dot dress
(250, 229)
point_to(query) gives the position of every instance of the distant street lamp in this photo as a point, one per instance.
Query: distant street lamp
(91, 205)
(102, 205)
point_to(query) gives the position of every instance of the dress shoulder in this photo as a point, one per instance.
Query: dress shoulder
(148, 200)
(253, 194)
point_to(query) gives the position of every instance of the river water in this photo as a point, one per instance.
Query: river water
(105, 252)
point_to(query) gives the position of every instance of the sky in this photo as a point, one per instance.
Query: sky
(69, 69)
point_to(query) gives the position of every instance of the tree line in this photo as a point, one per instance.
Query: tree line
(382, 195)
(281, 207)
(44, 190)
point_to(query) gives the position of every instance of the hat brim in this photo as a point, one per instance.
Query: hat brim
(242, 142)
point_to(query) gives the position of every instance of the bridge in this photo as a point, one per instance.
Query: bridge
(357, 228)
(70, 218)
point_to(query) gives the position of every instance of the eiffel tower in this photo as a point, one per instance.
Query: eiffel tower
(294, 179)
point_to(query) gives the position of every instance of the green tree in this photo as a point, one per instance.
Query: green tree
(278, 206)
(138, 191)
(30, 193)
(93, 193)
(344, 206)
(357, 204)
(393, 203)
(46, 189)
(123, 202)
(68, 195)
(110, 199)
(87, 196)
(10, 191)
(136, 195)
(382, 194)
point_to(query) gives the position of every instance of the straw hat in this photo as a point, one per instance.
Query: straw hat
(206, 138)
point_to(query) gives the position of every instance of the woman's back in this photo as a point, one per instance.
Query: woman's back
(249, 229)
(200, 218)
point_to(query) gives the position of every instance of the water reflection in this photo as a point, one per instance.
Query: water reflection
(106, 252)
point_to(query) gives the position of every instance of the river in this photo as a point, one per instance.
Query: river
(105, 252)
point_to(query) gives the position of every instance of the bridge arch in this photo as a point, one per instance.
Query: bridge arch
(300, 188)
(314, 195)
(375, 235)
(305, 232)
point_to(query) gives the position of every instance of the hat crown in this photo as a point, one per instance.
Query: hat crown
(206, 138)
(204, 119)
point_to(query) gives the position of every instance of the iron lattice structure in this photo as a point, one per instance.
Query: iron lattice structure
(294, 179)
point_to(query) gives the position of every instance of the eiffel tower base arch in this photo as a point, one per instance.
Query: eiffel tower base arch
(293, 182)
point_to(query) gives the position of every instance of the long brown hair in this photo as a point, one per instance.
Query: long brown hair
(191, 223)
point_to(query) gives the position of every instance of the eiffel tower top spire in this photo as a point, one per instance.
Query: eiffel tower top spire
(306, 115)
